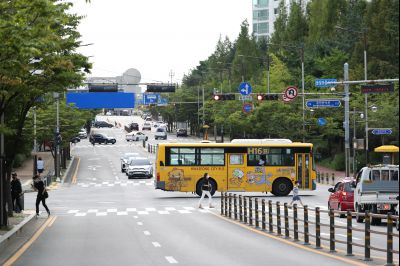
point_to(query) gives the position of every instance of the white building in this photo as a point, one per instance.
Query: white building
(264, 16)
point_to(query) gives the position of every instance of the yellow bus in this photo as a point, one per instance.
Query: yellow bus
(247, 167)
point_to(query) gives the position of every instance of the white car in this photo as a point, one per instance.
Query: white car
(139, 167)
(161, 133)
(136, 136)
(82, 134)
(125, 159)
(146, 126)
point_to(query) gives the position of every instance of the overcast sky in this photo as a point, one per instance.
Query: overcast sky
(156, 36)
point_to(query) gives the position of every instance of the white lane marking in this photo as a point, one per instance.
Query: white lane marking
(170, 209)
(122, 213)
(92, 211)
(150, 209)
(105, 183)
(130, 209)
(189, 208)
(112, 210)
(171, 259)
(97, 185)
(111, 185)
(135, 217)
(101, 214)
(146, 233)
(80, 214)
(163, 212)
(139, 223)
(73, 211)
(156, 244)
(184, 211)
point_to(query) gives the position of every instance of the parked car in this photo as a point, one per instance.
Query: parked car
(136, 136)
(82, 134)
(139, 167)
(181, 132)
(134, 126)
(75, 139)
(342, 196)
(99, 124)
(161, 133)
(101, 139)
(125, 159)
(146, 126)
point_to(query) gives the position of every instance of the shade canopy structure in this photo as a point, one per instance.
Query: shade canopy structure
(387, 149)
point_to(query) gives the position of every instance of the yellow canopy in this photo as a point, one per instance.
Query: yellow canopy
(387, 148)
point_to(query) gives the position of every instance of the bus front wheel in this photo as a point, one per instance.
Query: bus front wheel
(200, 184)
(282, 187)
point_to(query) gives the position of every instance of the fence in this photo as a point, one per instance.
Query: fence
(150, 147)
(327, 178)
(247, 210)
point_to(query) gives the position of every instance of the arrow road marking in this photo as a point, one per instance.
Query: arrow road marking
(171, 259)
(156, 244)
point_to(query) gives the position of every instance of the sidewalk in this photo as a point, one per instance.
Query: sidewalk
(25, 172)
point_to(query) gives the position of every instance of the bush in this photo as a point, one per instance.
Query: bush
(19, 160)
(338, 162)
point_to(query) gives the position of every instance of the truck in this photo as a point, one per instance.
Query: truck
(376, 190)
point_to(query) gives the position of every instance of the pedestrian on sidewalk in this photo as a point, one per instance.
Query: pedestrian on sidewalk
(16, 193)
(42, 194)
(40, 166)
(206, 188)
(296, 196)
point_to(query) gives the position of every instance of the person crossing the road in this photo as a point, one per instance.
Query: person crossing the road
(296, 196)
(205, 188)
(41, 196)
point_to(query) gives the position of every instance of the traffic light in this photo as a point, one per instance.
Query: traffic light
(267, 97)
(224, 97)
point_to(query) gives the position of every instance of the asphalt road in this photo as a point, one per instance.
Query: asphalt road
(106, 219)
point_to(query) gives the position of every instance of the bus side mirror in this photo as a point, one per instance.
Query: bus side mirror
(331, 190)
(162, 163)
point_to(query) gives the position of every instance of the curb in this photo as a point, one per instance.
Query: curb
(15, 231)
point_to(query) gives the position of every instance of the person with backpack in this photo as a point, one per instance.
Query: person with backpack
(42, 194)
(206, 188)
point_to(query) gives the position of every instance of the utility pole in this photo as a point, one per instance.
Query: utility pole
(34, 131)
(302, 88)
(57, 133)
(366, 97)
(204, 115)
(268, 66)
(171, 74)
(347, 118)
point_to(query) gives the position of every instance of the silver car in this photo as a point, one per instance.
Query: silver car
(139, 167)
(125, 160)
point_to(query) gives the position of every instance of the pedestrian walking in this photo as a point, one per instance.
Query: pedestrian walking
(42, 194)
(296, 196)
(40, 165)
(205, 188)
(16, 193)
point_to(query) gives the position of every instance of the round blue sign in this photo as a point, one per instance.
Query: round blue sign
(245, 88)
(247, 108)
(322, 122)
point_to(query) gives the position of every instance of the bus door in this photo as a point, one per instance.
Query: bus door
(303, 170)
(236, 171)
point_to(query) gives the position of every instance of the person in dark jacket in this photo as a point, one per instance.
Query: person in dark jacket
(206, 188)
(16, 192)
(39, 186)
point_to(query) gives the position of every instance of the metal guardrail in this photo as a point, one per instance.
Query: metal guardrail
(152, 148)
(241, 208)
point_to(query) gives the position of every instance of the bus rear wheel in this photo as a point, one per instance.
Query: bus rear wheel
(200, 184)
(282, 187)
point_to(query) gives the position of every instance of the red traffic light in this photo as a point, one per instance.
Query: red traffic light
(217, 97)
(267, 97)
(260, 97)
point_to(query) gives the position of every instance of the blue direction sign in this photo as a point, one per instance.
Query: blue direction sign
(382, 131)
(324, 103)
(151, 98)
(321, 83)
(245, 88)
(322, 122)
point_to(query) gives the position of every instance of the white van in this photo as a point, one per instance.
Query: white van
(161, 133)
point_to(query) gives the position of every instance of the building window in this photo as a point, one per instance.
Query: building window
(276, 10)
(263, 28)
(260, 3)
(261, 14)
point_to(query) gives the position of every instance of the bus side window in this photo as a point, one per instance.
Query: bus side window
(236, 159)
(375, 176)
(395, 175)
(385, 175)
(253, 160)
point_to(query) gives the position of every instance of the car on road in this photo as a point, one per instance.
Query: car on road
(99, 124)
(139, 167)
(101, 139)
(136, 136)
(161, 133)
(146, 126)
(134, 126)
(75, 139)
(82, 134)
(181, 132)
(342, 196)
(125, 160)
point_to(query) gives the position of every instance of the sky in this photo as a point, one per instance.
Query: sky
(156, 37)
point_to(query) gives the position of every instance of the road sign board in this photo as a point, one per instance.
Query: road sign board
(322, 121)
(97, 100)
(248, 108)
(245, 88)
(290, 94)
(382, 131)
(246, 98)
(377, 88)
(324, 103)
(151, 98)
(321, 83)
